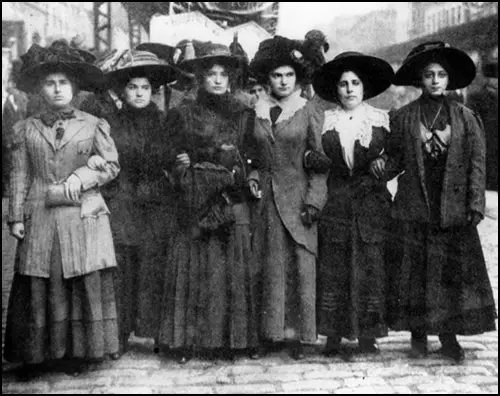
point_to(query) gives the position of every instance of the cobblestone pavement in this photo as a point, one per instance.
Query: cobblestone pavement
(141, 371)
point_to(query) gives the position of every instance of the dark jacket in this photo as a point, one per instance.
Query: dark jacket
(463, 189)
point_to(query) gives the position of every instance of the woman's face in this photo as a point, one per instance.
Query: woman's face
(57, 90)
(138, 92)
(258, 92)
(216, 80)
(350, 90)
(283, 81)
(435, 79)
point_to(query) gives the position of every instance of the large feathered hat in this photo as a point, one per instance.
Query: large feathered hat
(39, 62)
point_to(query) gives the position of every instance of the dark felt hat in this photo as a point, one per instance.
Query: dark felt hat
(277, 52)
(39, 62)
(460, 67)
(375, 73)
(210, 53)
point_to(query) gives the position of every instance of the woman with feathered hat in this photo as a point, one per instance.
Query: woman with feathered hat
(442, 286)
(139, 197)
(62, 302)
(353, 224)
(209, 299)
(286, 238)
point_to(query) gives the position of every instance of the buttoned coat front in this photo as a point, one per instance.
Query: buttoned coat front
(40, 161)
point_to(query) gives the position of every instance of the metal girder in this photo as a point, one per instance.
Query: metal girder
(102, 26)
(134, 30)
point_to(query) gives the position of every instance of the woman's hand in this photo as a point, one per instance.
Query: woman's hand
(255, 188)
(17, 231)
(73, 188)
(475, 218)
(96, 162)
(377, 168)
(183, 160)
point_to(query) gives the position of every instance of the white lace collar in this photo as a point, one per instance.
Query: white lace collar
(359, 123)
(290, 105)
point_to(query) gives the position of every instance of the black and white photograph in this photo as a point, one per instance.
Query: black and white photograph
(250, 198)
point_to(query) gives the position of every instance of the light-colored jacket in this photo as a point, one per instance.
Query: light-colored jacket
(83, 230)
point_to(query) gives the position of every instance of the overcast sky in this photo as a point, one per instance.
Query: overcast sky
(296, 19)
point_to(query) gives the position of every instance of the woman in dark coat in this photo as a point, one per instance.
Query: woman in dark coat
(209, 300)
(286, 232)
(62, 302)
(139, 197)
(442, 285)
(353, 224)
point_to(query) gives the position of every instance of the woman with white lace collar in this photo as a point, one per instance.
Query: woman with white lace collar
(286, 233)
(352, 228)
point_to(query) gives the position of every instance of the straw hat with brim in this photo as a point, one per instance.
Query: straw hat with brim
(210, 53)
(460, 67)
(39, 62)
(134, 64)
(375, 73)
(277, 52)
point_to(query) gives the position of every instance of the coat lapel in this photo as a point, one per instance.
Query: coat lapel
(46, 132)
(73, 128)
(417, 145)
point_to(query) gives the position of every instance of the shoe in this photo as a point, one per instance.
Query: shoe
(451, 348)
(185, 357)
(297, 352)
(332, 347)
(369, 346)
(419, 348)
(29, 372)
(75, 369)
(257, 353)
(116, 356)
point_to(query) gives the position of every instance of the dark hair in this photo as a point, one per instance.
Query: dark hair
(120, 85)
(202, 70)
(300, 72)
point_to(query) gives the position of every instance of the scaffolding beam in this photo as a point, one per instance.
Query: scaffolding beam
(102, 26)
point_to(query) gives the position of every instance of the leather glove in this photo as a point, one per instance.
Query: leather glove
(475, 218)
(309, 215)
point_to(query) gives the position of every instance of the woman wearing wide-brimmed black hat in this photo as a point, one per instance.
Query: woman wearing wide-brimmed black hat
(209, 298)
(353, 224)
(442, 286)
(286, 233)
(62, 302)
(139, 197)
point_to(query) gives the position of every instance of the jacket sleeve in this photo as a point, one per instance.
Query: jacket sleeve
(179, 141)
(394, 147)
(105, 147)
(476, 185)
(19, 174)
(317, 189)
(249, 147)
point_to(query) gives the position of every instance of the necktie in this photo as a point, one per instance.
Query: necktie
(275, 114)
(51, 117)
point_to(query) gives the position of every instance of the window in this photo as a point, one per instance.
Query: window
(459, 14)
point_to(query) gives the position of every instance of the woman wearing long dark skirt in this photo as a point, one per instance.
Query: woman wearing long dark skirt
(442, 285)
(62, 303)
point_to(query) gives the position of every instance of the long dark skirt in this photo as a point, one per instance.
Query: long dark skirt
(288, 278)
(209, 297)
(442, 285)
(55, 318)
(351, 286)
(126, 282)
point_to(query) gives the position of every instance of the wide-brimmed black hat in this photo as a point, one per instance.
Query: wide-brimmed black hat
(277, 52)
(133, 63)
(209, 53)
(460, 67)
(162, 51)
(375, 73)
(39, 62)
